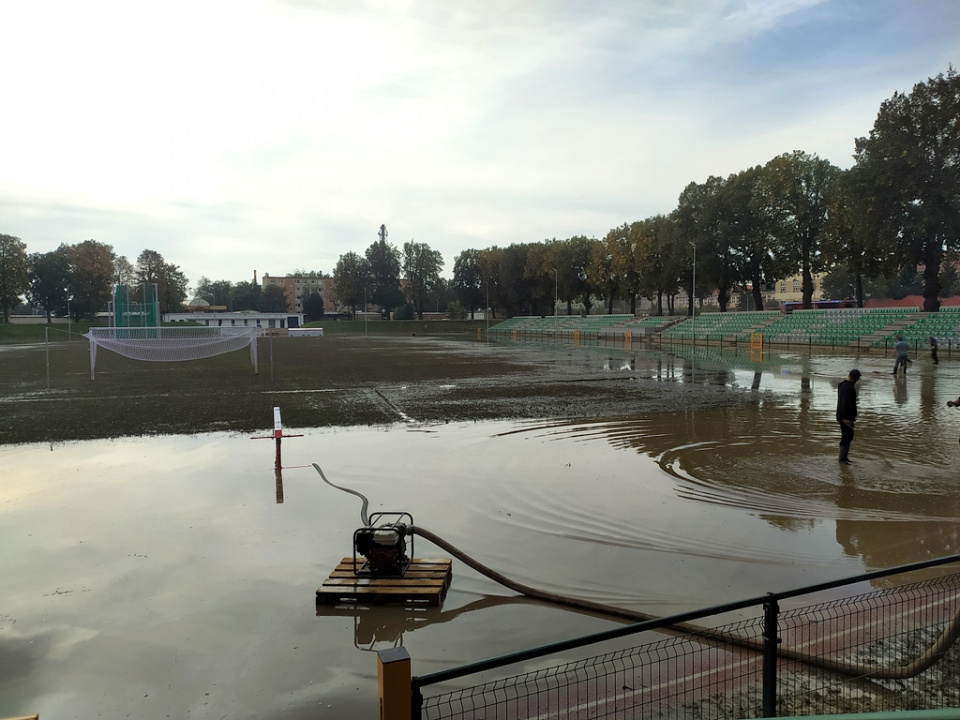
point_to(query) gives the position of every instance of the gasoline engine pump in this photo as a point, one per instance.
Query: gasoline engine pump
(384, 546)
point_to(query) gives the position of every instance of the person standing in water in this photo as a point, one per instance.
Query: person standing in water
(934, 346)
(902, 359)
(847, 413)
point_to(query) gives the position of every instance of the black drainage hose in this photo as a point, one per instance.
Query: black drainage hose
(852, 669)
(943, 643)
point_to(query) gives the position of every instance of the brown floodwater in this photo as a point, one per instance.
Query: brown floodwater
(159, 577)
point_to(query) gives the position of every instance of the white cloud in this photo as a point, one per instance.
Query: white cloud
(238, 135)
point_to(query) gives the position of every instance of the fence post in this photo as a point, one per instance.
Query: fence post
(393, 683)
(771, 611)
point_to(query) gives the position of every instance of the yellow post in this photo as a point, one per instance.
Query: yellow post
(479, 336)
(628, 339)
(393, 682)
(576, 337)
(756, 340)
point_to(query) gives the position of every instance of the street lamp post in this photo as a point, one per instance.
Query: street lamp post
(693, 295)
(556, 301)
(486, 312)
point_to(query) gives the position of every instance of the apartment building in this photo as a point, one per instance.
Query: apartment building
(297, 288)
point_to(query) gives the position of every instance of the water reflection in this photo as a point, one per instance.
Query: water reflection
(379, 628)
(776, 459)
(176, 575)
(900, 390)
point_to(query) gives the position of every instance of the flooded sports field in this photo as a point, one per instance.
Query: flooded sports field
(175, 575)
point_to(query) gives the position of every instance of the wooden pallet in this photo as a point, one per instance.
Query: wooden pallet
(424, 583)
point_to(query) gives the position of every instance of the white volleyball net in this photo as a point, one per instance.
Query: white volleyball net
(172, 344)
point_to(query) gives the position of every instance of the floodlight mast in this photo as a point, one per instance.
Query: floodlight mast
(693, 295)
(556, 302)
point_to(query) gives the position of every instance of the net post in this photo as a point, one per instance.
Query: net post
(93, 353)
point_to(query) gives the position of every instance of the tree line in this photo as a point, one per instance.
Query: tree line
(895, 214)
(888, 225)
(890, 222)
(78, 279)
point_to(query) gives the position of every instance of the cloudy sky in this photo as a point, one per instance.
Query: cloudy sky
(235, 136)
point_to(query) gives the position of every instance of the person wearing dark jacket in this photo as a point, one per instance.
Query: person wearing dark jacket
(847, 412)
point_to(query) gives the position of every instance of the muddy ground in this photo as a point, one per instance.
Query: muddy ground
(47, 394)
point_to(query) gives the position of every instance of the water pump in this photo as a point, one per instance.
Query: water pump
(384, 546)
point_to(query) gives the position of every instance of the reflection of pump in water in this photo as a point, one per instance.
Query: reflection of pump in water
(384, 546)
(379, 627)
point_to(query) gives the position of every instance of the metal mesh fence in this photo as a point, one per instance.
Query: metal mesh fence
(889, 649)
(888, 640)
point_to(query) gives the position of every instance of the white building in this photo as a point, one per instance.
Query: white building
(238, 319)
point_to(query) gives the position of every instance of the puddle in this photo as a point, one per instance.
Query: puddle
(161, 576)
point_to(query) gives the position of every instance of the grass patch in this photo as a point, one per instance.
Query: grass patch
(342, 379)
(47, 393)
(18, 333)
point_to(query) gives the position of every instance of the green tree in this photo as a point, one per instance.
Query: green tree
(406, 311)
(705, 221)
(655, 256)
(622, 247)
(840, 284)
(848, 244)
(14, 272)
(910, 164)
(603, 274)
(91, 278)
(468, 280)
(539, 275)
(572, 261)
(490, 261)
(384, 261)
(677, 256)
(514, 287)
(455, 311)
(49, 286)
(273, 299)
(215, 292)
(796, 188)
(747, 233)
(352, 281)
(124, 273)
(171, 282)
(245, 295)
(950, 276)
(313, 307)
(421, 270)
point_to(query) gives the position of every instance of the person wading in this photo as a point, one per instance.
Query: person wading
(847, 412)
(902, 349)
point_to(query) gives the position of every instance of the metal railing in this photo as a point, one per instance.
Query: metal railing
(892, 648)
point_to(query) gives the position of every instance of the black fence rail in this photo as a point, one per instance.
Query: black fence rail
(894, 647)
